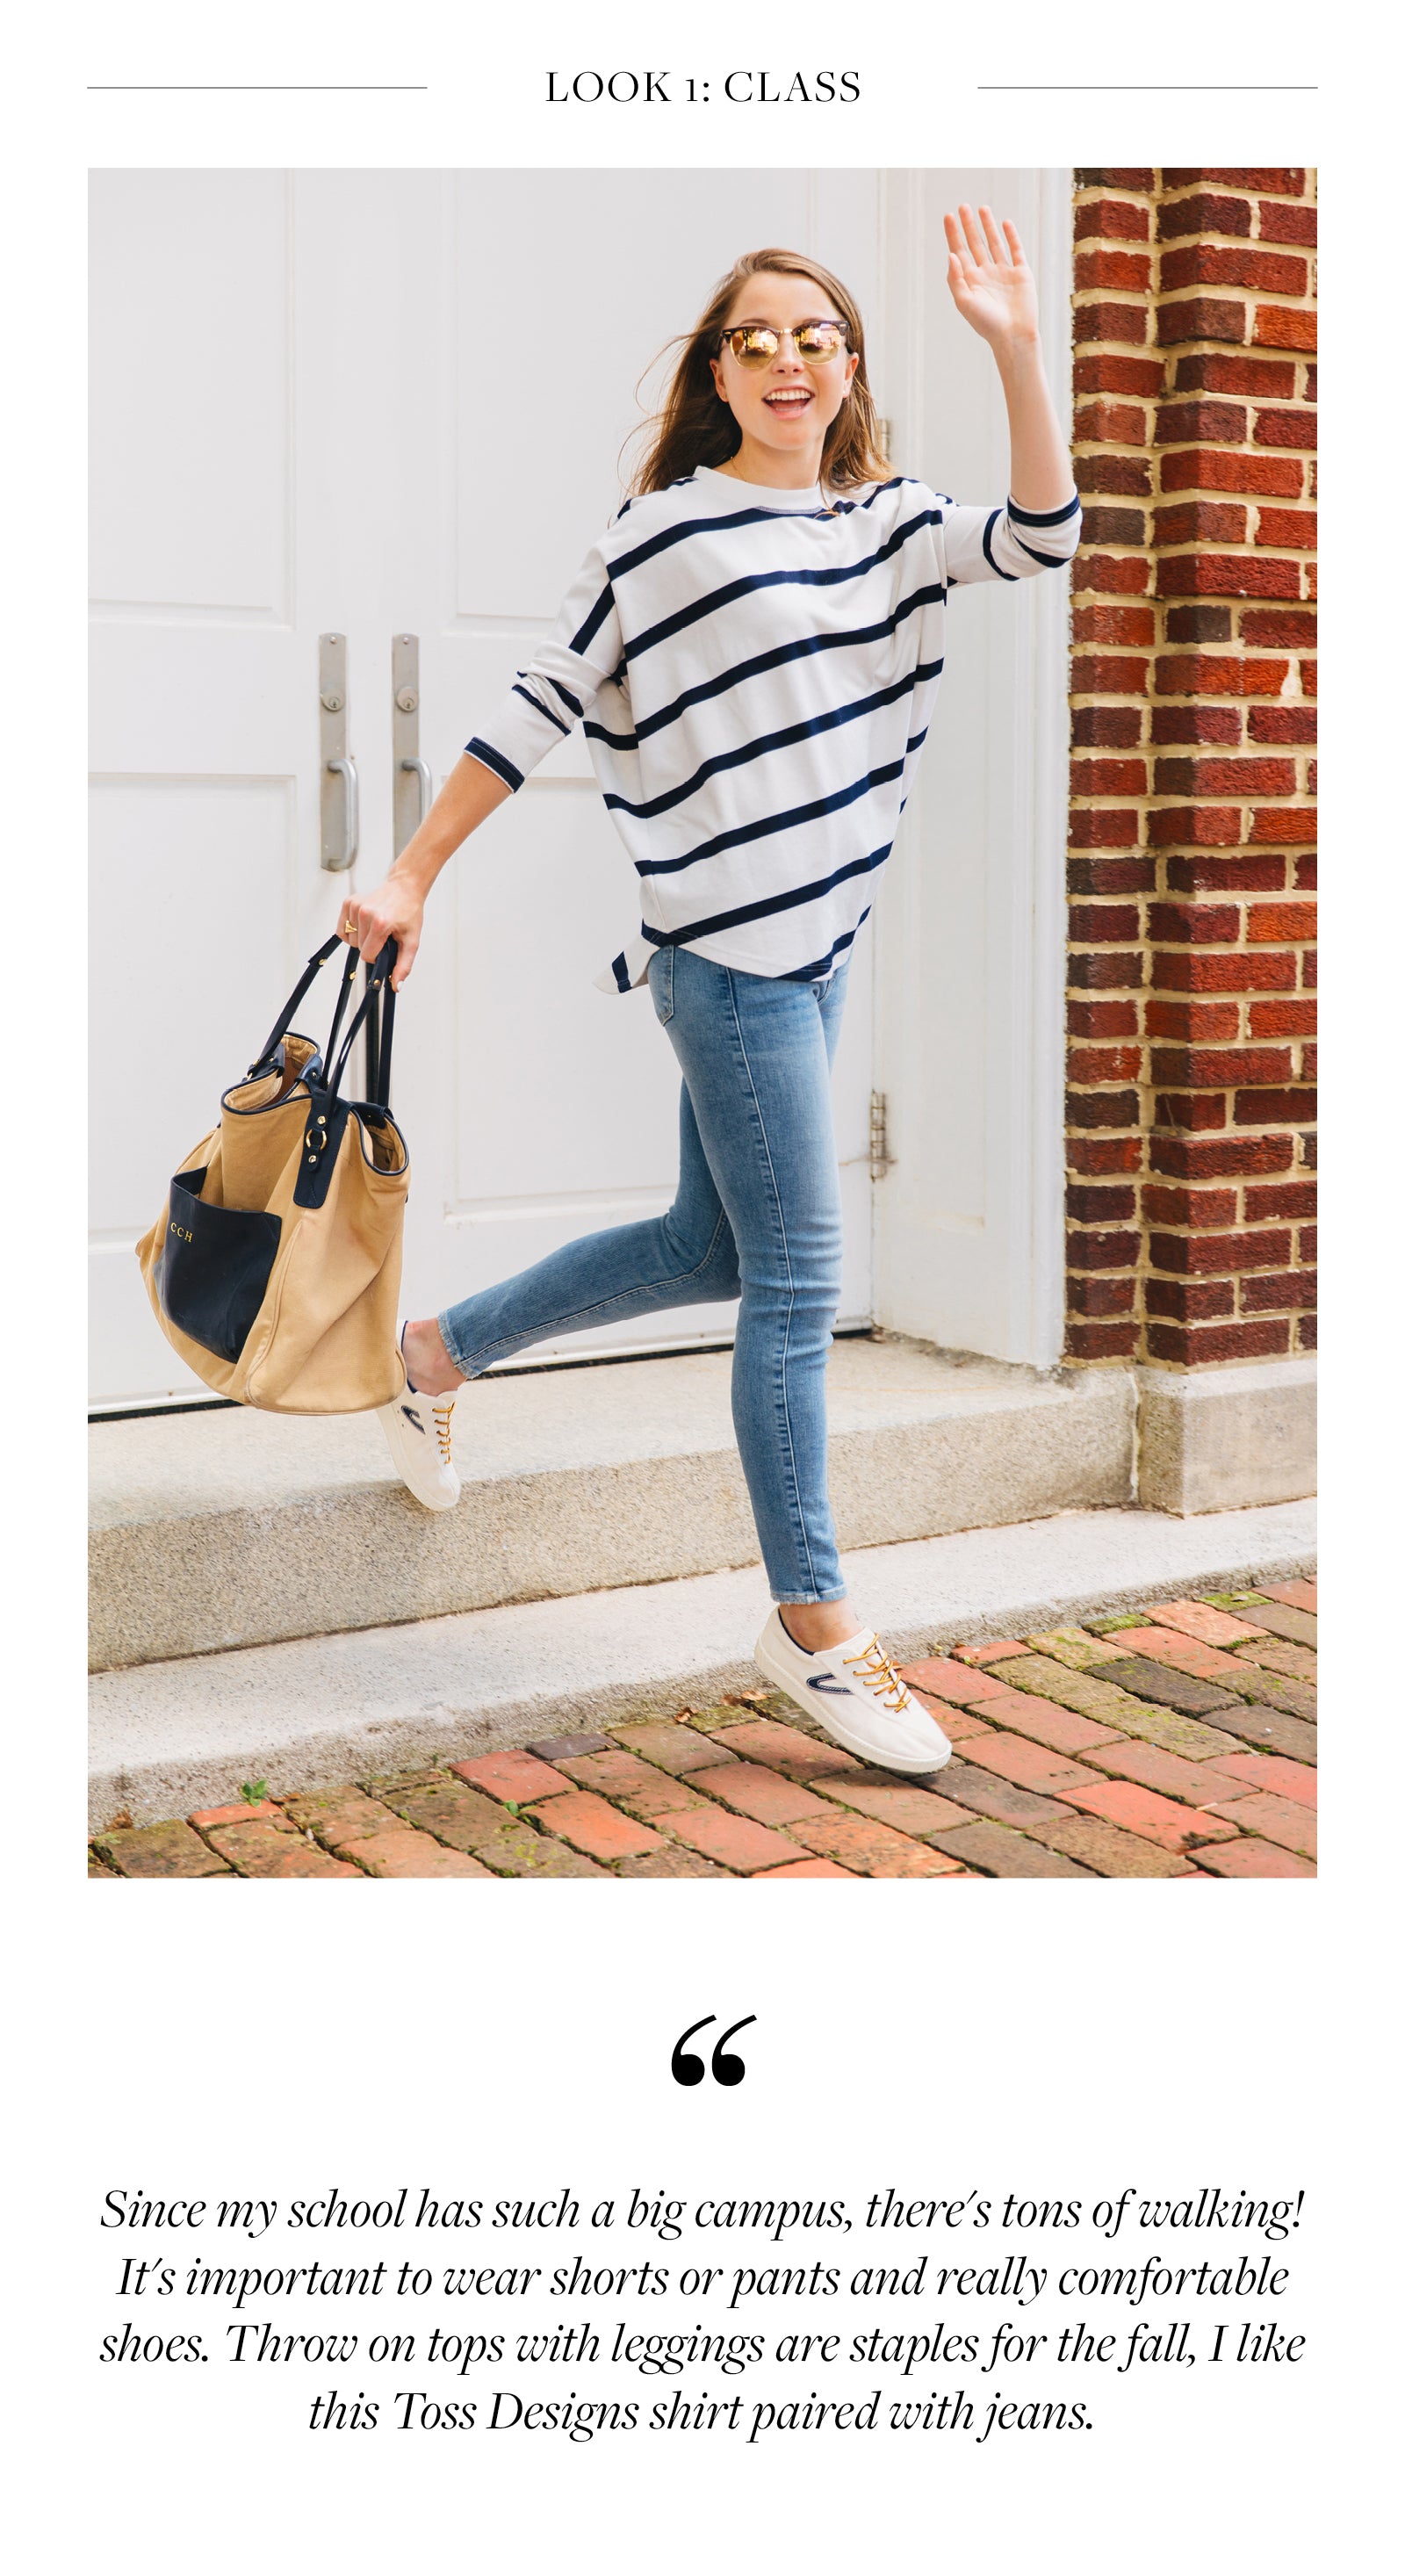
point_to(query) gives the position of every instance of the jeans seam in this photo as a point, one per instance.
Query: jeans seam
(581, 1314)
(791, 1476)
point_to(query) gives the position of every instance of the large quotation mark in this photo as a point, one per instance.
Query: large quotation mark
(688, 2068)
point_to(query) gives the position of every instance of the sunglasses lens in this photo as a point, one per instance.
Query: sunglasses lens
(814, 342)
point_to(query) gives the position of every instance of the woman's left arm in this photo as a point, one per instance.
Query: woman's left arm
(992, 287)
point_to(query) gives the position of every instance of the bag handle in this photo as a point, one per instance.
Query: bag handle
(380, 1034)
(377, 1009)
(380, 1023)
(282, 1024)
(381, 1093)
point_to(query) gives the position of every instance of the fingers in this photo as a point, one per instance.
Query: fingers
(361, 928)
(976, 237)
(366, 922)
(957, 244)
(976, 250)
(994, 244)
(373, 930)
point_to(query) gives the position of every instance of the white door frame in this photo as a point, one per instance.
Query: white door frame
(975, 1033)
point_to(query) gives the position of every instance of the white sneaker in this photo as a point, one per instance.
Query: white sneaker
(419, 1435)
(853, 1692)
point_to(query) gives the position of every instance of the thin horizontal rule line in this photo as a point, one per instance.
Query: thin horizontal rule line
(221, 88)
(1151, 89)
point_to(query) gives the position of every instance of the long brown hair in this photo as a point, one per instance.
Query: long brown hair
(694, 428)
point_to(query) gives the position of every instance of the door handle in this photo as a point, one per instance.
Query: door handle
(345, 769)
(413, 778)
(425, 775)
(339, 814)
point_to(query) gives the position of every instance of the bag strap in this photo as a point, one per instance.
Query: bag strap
(343, 996)
(378, 1092)
(372, 1032)
(309, 975)
(377, 1002)
(377, 1009)
(379, 1036)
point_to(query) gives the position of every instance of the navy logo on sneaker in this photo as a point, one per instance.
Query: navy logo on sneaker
(824, 1682)
(412, 1417)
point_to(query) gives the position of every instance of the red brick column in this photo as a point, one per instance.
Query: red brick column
(1192, 863)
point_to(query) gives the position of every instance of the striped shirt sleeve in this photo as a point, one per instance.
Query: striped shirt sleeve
(1004, 543)
(558, 684)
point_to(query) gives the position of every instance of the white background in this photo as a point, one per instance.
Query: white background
(1040, 2037)
(1046, 2040)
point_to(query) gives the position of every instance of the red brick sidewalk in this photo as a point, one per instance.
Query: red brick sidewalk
(1175, 1742)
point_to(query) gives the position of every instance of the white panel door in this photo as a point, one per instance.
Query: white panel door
(369, 403)
(968, 1223)
(201, 742)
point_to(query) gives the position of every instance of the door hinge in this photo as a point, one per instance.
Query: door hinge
(879, 1158)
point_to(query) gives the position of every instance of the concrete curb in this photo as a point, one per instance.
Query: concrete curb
(167, 1738)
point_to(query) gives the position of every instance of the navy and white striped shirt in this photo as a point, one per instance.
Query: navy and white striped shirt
(756, 672)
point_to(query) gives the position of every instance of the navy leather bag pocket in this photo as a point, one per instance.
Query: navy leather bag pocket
(213, 1269)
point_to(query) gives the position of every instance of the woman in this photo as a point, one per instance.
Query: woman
(754, 647)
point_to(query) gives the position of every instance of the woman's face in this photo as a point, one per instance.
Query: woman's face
(788, 405)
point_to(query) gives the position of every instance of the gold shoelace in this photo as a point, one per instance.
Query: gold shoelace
(877, 1674)
(444, 1426)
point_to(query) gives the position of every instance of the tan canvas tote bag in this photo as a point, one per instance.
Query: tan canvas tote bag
(274, 1267)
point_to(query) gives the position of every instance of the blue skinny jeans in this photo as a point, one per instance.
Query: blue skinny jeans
(756, 1215)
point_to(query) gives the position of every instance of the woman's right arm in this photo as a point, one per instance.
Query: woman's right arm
(546, 701)
(468, 796)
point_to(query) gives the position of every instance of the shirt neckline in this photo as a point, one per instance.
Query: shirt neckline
(809, 496)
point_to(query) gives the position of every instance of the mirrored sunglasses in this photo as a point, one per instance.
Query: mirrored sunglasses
(757, 344)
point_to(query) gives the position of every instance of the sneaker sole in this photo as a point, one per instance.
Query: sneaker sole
(914, 1770)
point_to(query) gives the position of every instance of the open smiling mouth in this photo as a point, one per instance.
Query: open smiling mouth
(794, 399)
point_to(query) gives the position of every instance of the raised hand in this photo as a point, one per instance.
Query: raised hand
(990, 282)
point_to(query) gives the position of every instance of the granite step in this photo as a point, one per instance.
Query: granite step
(222, 1529)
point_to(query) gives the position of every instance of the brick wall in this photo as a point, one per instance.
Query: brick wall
(1190, 1145)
